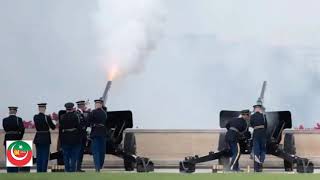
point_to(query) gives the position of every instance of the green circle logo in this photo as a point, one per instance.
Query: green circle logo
(19, 153)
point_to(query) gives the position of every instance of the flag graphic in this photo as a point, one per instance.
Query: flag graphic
(19, 154)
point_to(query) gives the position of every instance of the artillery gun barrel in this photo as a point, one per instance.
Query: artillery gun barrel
(105, 93)
(263, 90)
(264, 86)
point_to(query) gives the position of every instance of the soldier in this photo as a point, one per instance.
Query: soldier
(236, 128)
(259, 124)
(42, 139)
(69, 132)
(83, 114)
(98, 120)
(14, 129)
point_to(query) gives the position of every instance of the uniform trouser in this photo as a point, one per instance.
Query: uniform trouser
(70, 156)
(259, 151)
(43, 151)
(98, 151)
(235, 152)
(10, 169)
(80, 159)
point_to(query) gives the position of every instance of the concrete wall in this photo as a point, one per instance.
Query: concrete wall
(168, 147)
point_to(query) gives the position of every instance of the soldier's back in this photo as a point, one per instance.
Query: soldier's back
(42, 124)
(69, 129)
(235, 126)
(12, 127)
(258, 123)
(97, 120)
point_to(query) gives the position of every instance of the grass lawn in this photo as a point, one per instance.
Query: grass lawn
(156, 176)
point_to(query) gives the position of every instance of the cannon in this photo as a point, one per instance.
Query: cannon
(277, 122)
(119, 143)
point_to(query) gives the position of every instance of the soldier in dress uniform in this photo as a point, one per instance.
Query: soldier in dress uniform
(69, 132)
(236, 128)
(42, 139)
(259, 124)
(14, 129)
(98, 124)
(83, 115)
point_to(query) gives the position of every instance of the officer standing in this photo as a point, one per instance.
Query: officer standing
(236, 128)
(98, 124)
(259, 124)
(14, 129)
(42, 139)
(69, 132)
(83, 115)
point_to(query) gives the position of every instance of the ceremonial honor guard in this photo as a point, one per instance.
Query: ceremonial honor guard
(69, 131)
(259, 124)
(42, 139)
(14, 129)
(236, 128)
(98, 124)
(83, 115)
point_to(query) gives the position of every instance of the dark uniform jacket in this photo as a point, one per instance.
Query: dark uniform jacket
(258, 120)
(13, 126)
(236, 127)
(43, 123)
(98, 122)
(69, 129)
(83, 116)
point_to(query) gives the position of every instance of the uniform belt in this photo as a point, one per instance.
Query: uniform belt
(13, 132)
(234, 129)
(259, 127)
(98, 125)
(42, 131)
(69, 130)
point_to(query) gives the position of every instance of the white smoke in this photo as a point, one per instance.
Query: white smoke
(128, 32)
(216, 56)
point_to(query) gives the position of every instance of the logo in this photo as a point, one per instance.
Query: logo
(19, 153)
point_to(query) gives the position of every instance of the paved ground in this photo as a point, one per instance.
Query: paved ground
(316, 171)
(115, 175)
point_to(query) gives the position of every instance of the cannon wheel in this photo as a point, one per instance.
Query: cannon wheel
(225, 161)
(289, 147)
(129, 147)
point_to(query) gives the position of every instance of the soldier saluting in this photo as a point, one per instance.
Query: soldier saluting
(259, 124)
(42, 139)
(83, 115)
(13, 126)
(236, 127)
(69, 132)
(98, 124)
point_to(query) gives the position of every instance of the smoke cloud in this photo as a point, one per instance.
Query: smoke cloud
(128, 32)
